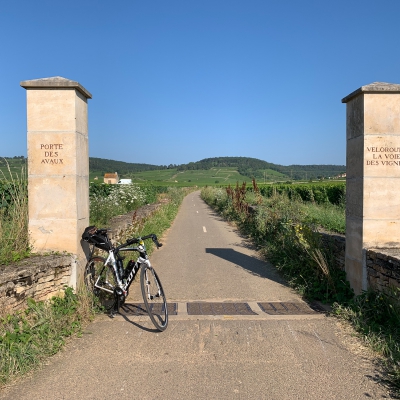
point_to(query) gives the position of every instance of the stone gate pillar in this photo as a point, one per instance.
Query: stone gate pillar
(58, 166)
(373, 175)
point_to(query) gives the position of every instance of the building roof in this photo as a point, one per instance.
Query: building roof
(111, 175)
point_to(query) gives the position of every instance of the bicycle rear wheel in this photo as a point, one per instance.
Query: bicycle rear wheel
(101, 275)
(154, 297)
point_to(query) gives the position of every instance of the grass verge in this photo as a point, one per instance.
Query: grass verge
(376, 318)
(328, 216)
(159, 221)
(28, 337)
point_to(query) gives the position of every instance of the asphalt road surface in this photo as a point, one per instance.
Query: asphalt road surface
(238, 332)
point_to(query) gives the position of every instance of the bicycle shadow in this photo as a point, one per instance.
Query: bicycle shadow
(251, 264)
(139, 312)
(143, 328)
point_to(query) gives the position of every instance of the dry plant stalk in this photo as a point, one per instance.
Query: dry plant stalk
(1, 223)
(238, 197)
(319, 258)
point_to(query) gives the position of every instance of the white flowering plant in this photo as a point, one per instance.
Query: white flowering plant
(118, 200)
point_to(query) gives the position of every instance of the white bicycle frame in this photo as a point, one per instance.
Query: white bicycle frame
(113, 263)
(110, 261)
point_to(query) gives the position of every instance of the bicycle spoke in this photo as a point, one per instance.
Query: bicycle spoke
(154, 297)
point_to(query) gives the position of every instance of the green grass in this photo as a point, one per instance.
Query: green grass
(14, 240)
(161, 219)
(28, 337)
(13, 165)
(93, 175)
(376, 318)
(269, 176)
(328, 216)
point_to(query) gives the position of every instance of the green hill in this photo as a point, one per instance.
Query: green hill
(102, 165)
(221, 169)
(253, 167)
(199, 177)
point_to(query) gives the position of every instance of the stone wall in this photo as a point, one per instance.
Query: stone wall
(336, 244)
(383, 265)
(39, 277)
(121, 223)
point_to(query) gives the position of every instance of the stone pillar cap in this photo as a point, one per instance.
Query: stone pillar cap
(375, 87)
(55, 82)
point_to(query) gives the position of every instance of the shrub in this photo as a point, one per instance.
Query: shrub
(107, 201)
(320, 193)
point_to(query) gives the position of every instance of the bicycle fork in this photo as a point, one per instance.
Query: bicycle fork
(150, 270)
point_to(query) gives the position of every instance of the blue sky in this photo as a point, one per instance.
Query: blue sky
(175, 81)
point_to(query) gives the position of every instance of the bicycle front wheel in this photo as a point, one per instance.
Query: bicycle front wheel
(100, 280)
(154, 297)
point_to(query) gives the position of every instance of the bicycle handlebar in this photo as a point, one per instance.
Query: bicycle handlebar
(103, 231)
(137, 240)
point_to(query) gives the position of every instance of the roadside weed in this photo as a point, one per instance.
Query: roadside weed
(376, 318)
(29, 336)
(14, 240)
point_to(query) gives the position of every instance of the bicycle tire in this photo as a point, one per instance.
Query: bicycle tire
(95, 269)
(154, 297)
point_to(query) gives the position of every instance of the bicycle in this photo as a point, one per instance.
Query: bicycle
(110, 281)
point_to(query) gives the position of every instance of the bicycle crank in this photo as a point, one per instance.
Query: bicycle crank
(120, 295)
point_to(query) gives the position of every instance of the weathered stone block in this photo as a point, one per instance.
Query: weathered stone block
(47, 278)
(372, 272)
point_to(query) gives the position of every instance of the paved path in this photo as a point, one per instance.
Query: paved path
(250, 355)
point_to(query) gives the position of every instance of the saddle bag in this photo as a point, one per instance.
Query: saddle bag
(97, 238)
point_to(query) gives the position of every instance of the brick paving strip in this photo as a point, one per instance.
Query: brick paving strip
(237, 310)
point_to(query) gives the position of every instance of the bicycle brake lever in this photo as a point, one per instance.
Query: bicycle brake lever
(157, 243)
